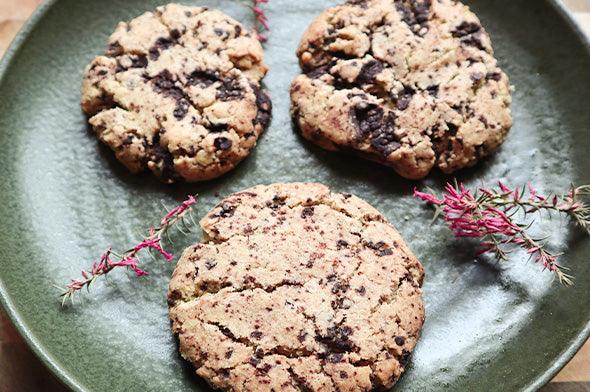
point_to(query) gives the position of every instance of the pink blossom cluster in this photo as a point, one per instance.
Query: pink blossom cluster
(465, 215)
(261, 18)
(489, 215)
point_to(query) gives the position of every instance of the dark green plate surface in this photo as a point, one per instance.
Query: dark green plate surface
(64, 199)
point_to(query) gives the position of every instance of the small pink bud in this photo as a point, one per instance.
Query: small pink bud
(504, 188)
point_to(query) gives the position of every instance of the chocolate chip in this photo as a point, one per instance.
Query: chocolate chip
(484, 121)
(366, 118)
(217, 127)
(264, 369)
(227, 210)
(452, 129)
(181, 109)
(359, 3)
(230, 90)
(465, 29)
(414, 13)
(340, 287)
(399, 340)
(139, 61)
(174, 296)
(154, 53)
(174, 34)
(403, 98)
(163, 43)
(384, 140)
(210, 264)
(470, 34)
(368, 72)
(380, 248)
(497, 76)
(337, 339)
(385, 252)
(256, 334)
(320, 71)
(229, 353)
(277, 202)
(163, 157)
(264, 106)
(343, 374)
(202, 78)
(222, 143)
(405, 357)
(361, 290)
(115, 49)
(341, 244)
(302, 335)
(307, 212)
(254, 361)
(163, 83)
(432, 90)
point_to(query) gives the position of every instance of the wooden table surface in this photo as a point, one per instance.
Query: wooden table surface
(20, 370)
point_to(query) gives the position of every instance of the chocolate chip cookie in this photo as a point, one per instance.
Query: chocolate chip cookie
(411, 84)
(296, 288)
(178, 92)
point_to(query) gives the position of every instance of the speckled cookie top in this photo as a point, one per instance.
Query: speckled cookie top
(178, 92)
(412, 84)
(298, 289)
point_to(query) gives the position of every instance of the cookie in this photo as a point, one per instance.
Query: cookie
(178, 92)
(296, 288)
(411, 84)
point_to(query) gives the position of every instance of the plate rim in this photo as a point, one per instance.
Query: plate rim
(70, 381)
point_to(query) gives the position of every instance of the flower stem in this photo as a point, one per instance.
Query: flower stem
(130, 258)
(489, 214)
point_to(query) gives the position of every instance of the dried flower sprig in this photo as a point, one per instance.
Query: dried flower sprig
(261, 20)
(490, 214)
(177, 216)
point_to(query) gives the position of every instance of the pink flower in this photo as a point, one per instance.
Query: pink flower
(179, 209)
(132, 263)
(426, 197)
(532, 192)
(489, 215)
(75, 284)
(130, 258)
(504, 188)
(154, 244)
(261, 18)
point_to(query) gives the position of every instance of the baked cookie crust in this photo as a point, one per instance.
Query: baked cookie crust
(411, 84)
(296, 288)
(178, 92)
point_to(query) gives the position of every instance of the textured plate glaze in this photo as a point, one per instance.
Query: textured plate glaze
(64, 198)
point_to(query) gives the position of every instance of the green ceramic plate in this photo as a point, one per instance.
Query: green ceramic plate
(64, 199)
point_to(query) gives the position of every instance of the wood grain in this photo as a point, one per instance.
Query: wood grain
(20, 370)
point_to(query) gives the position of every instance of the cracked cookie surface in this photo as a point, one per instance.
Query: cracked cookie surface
(178, 92)
(296, 288)
(411, 84)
